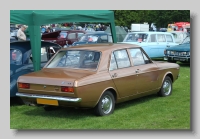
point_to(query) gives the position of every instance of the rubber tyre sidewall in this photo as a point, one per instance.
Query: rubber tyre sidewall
(161, 92)
(98, 111)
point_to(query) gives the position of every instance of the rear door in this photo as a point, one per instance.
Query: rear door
(122, 73)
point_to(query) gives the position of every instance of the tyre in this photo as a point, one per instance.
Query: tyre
(166, 88)
(105, 105)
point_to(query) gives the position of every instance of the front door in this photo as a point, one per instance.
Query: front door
(146, 71)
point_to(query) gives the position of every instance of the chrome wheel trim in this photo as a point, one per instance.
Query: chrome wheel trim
(106, 104)
(167, 87)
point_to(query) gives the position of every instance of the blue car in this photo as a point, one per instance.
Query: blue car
(21, 60)
(94, 37)
(153, 43)
(179, 53)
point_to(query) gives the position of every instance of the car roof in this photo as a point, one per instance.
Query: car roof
(92, 33)
(26, 45)
(102, 47)
(150, 32)
(72, 31)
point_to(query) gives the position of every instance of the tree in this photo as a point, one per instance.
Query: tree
(161, 17)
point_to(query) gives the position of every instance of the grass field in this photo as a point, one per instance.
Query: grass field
(151, 112)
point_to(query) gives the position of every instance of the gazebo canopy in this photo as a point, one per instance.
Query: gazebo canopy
(35, 18)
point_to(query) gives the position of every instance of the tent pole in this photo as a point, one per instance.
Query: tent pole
(35, 38)
(113, 32)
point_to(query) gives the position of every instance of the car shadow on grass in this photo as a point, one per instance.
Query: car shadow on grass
(136, 101)
(184, 64)
(60, 112)
(74, 113)
(15, 101)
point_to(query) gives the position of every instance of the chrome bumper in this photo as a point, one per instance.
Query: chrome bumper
(66, 99)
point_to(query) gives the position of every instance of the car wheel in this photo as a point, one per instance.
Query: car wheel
(105, 105)
(166, 88)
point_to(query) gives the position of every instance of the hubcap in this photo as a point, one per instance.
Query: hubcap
(106, 104)
(167, 87)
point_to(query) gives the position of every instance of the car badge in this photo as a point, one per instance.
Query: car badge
(44, 86)
(63, 82)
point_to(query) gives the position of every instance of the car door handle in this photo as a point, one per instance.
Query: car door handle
(114, 75)
(137, 71)
(168, 46)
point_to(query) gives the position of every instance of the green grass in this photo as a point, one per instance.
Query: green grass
(151, 112)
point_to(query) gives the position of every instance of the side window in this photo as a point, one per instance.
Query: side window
(80, 34)
(161, 38)
(110, 39)
(138, 57)
(104, 38)
(26, 57)
(72, 36)
(43, 56)
(169, 38)
(122, 58)
(175, 35)
(113, 64)
(15, 57)
(152, 38)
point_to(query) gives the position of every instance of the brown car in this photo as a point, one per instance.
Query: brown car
(97, 76)
(64, 37)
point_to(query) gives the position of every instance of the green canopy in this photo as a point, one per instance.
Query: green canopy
(35, 18)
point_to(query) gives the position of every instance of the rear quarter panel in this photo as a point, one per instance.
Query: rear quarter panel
(91, 88)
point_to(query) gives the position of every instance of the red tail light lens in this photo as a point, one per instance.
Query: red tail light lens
(24, 85)
(67, 89)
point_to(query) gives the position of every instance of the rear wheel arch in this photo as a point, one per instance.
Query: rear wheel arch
(112, 90)
(106, 103)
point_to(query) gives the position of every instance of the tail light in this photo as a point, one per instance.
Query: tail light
(24, 85)
(67, 89)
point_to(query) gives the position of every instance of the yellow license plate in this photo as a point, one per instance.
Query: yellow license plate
(47, 101)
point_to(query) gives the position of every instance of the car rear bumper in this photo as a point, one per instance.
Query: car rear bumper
(58, 98)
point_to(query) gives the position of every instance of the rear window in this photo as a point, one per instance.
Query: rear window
(76, 59)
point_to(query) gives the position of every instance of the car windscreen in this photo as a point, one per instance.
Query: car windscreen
(75, 59)
(186, 40)
(136, 37)
(89, 38)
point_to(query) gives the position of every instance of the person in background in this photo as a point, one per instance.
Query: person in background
(48, 30)
(20, 33)
(43, 29)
